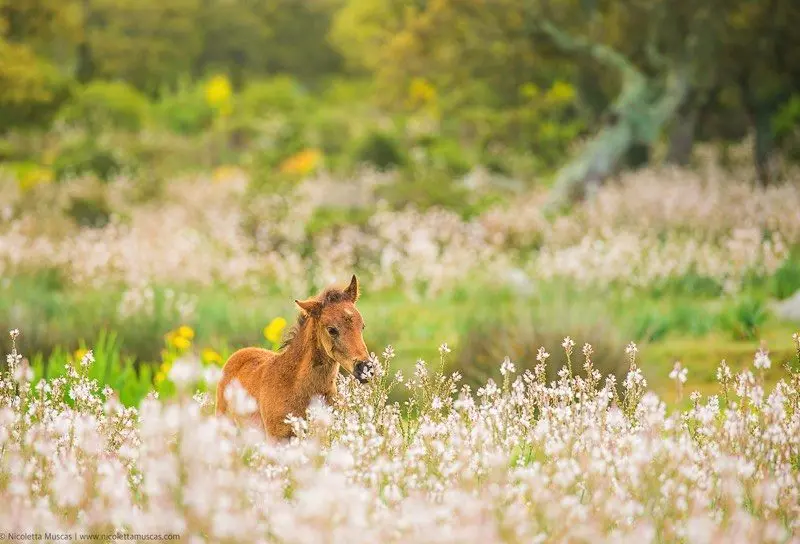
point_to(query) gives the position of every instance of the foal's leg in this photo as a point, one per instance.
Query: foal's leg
(275, 427)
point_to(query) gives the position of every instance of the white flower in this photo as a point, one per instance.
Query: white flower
(239, 400)
(507, 367)
(723, 372)
(679, 374)
(542, 355)
(762, 359)
(87, 359)
(631, 349)
(443, 349)
(184, 372)
(14, 333)
(568, 344)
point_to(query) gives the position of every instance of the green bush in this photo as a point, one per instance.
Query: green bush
(485, 345)
(332, 132)
(102, 105)
(186, 110)
(109, 368)
(786, 280)
(89, 211)
(544, 320)
(280, 95)
(31, 90)
(379, 149)
(88, 157)
(744, 319)
(447, 155)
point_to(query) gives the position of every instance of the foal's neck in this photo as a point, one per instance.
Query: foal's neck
(305, 360)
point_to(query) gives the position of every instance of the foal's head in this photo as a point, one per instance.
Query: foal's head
(338, 327)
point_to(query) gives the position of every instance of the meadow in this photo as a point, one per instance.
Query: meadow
(619, 372)
(575, 233)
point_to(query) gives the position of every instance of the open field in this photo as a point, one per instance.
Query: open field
(571, 232)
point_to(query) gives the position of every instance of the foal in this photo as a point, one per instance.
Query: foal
(328, 334)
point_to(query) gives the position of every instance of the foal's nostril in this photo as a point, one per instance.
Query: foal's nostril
(362, 371)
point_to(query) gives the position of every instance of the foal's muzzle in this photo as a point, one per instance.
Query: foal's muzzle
(362, 371)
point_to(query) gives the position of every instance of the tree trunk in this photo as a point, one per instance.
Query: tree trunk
(681, 137)
(644, 106)
(763, 145)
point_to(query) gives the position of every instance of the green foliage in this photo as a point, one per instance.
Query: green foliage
(185, 110)
(540, 323)
(744, 319)
(31, 89)
(447, 155)
(379, 149)
(107, 105)
(88, 156)
(89, 211)
(786, 280)
(326, 219)
(786, 127)
(110, 368)
(280, 95)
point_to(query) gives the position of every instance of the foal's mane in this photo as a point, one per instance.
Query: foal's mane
(330, 295)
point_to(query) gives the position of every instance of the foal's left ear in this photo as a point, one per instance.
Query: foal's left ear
(352, 291)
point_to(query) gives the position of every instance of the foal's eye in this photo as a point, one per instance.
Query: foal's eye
(333, 331)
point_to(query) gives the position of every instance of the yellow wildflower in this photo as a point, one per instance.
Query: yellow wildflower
(218, 93)
(186, 331)
(160, 377)
(421, 92)
(560, 93)
(79, 353)
(302, 163)
(31, 176)
(210, 356)
(181, 342)
(273, 331)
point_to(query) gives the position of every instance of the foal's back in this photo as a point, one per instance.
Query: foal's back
(251, 367)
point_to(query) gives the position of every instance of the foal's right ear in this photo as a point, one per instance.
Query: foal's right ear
(311, 307)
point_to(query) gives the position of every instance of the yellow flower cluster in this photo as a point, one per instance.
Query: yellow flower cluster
(302, 163)
(421, 92)
(219, 94)
(32, 176)
(178, 341)
(180, 338)
(210, 357)
(274, 330)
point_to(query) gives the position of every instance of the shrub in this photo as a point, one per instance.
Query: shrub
(31, 90)
(102, 105)
(534, 324)
(279, 95)
(744, 319)
(87, 157)
(786, 280)
(379, 149)
(447, 155)
(89, 211)
(186, 110)
(332, 131)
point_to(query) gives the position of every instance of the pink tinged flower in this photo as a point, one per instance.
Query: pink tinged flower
(762, 359)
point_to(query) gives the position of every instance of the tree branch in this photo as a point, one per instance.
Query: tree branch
(600, 52)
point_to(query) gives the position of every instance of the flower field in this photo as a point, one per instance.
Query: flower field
(690, 435)
(580, 459)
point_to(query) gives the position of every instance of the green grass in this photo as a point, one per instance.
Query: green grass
(695, 326)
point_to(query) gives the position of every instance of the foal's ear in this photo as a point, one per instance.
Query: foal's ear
(352, 291)
(311, 307)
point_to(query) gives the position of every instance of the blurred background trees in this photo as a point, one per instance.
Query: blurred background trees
(577, 88)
